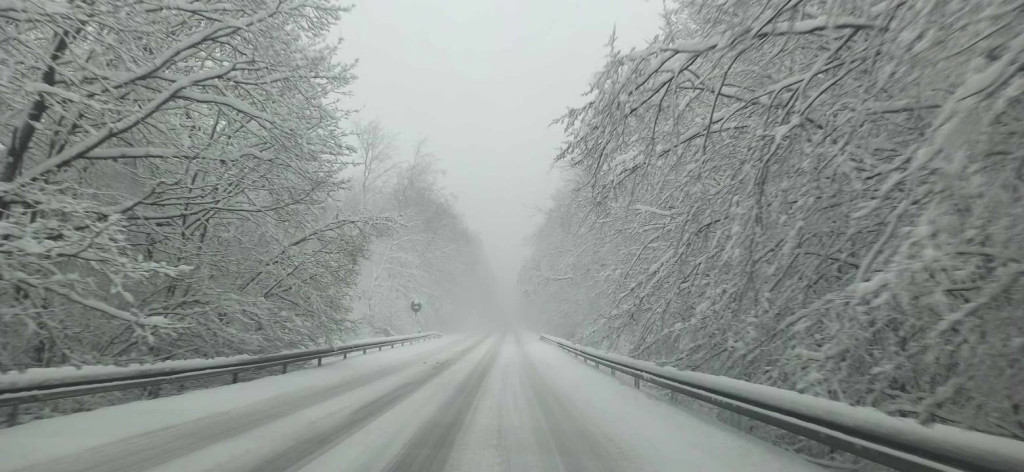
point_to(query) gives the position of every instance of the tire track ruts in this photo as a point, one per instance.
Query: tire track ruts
(162, 445)
(317, 442)
(431, 446)
(578, 448)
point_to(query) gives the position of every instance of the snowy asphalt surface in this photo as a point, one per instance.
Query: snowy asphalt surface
(464, 403)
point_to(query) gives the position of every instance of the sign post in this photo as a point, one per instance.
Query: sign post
(416, 306)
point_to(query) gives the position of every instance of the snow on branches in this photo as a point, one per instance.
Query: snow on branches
(817, 195)
(164, 173)
(430, 255)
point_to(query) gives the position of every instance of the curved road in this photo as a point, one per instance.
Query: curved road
(463, 403)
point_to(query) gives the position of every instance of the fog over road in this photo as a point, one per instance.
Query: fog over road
(502, 402)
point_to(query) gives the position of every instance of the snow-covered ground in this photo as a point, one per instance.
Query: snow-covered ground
(464, 403)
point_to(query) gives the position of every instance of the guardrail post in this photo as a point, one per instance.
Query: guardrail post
(636, 380)
(344, 355)
(319, 361)
(284, 368)
(12, 416)
(364, 351)
(234, 377)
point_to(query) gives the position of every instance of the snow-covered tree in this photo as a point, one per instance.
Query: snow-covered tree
(816, 195)
(565, 283)
(165, 174)
(430, 255)
(376, 151)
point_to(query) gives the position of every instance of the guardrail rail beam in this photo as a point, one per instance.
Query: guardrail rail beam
(16, 395)
(894, 442)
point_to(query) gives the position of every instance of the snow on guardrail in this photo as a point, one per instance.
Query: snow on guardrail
(945, 444)
(57, 377)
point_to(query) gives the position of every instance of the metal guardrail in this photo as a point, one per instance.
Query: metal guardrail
(893, 442)
(15, 396)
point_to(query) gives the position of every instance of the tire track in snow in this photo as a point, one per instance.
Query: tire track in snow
(431, 446)
(320, 440)
(162, 445)
(577, 446)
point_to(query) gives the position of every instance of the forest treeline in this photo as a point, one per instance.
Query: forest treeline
(182, 180)
(822, 196)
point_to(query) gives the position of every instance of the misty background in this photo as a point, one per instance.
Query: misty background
(482, 82)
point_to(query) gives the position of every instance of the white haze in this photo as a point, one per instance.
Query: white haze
(481, 81)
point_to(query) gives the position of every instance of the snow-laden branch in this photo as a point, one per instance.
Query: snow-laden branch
(777, 29)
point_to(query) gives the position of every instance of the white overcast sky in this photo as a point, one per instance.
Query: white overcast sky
(482, 80)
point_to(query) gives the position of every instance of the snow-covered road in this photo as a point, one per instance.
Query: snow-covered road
(463, 403)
